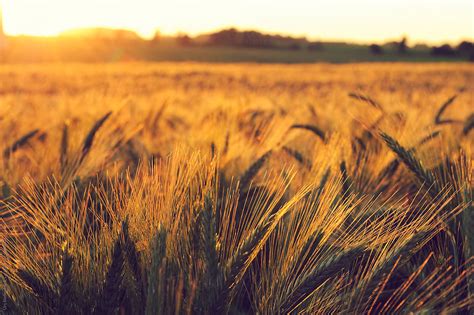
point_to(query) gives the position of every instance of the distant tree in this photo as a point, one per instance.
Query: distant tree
(421, 46)
(184, 40)
(466, 49)
(315, 46)
(123, 35)
(225, 37)
(375, 49)
(391, 45)
(156, 36)
(294, 46)
(402, 46)
(443, 51)
(254, 39)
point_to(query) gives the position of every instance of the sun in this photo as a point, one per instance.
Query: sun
(52, 17)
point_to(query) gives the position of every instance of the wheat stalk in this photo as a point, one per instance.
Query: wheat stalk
(66, 291)
(207, 245)
(347, 184)
(63, 153)
(367, 99)
(112, 291)
(250, 173)
(468, 125)
(238, 263)
(69, 172)
(41, 290)
(413, 164)
(399, 257)
(89, 140)
(329, 269)
(134, 261)
(442, 109)
(155, 294)
(298, 156)
(18, 144)
(315, 130)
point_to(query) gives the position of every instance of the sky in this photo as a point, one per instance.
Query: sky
(431, 21)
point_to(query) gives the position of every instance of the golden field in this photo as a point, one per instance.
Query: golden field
(237, 188)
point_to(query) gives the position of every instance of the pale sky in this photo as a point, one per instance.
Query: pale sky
(433, 21)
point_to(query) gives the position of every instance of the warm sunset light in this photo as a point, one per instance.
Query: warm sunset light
(366, 20)
(236, 157)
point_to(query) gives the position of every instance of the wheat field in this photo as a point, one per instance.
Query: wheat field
(187, 188)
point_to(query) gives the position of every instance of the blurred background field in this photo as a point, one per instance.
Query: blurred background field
(102, 45)
(196, 102)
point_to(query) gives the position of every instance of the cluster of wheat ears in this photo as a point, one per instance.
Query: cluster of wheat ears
(255, 213)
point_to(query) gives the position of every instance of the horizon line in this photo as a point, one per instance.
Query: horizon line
(243, 29)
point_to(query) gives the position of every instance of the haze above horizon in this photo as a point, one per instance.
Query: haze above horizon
(433, 21)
